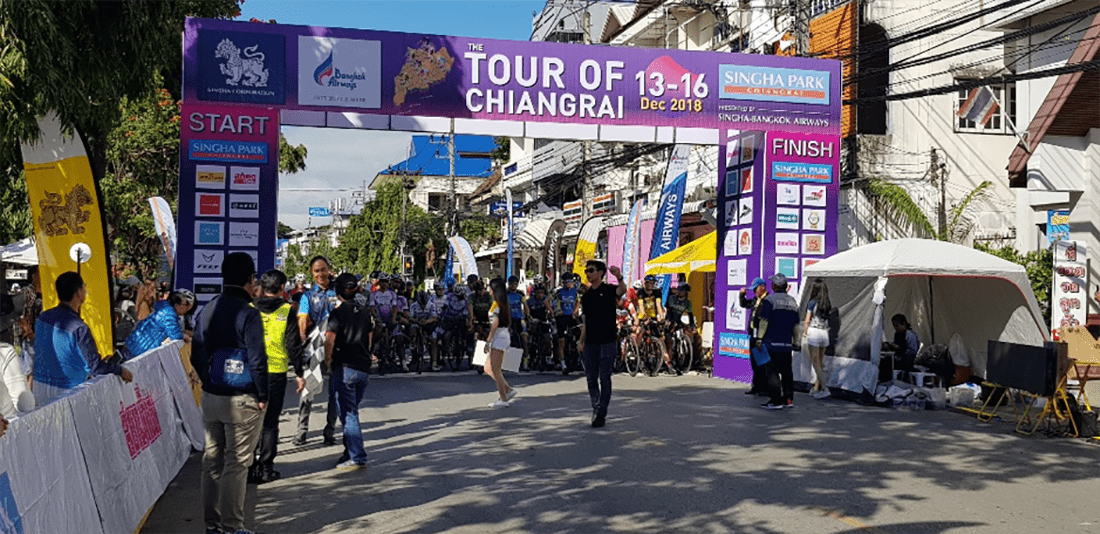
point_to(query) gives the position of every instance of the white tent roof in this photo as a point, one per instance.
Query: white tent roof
(21, 252)
(918, 256)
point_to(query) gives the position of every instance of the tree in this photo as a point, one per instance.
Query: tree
(291, 158)
(15, 212)
(894, 202)
(480, 226)
(283, 230)
(81, 59)
(1040, 271)
(374, 236)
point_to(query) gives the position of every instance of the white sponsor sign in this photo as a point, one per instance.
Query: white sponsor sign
(787, 194)
(814, 195)
(813, 244)
(208, 261)
(737, 273)
(744, 242)
(209, 177)
(1069, 298)
(729, 248)
(244, 178)
(813, 220)
(244, 206)
(745, 211)
(735, 317)
(244, 234)
(786, 218)
(339, 72)
(786, 243)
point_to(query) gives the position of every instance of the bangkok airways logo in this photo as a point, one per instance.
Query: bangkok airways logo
(324, 70)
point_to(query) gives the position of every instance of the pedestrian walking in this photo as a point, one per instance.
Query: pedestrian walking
(815, 335)
(313, 311)
(229, 354)
(347, 353)
(284, 349)
(500, 338)
(599, 335)
(775, 332)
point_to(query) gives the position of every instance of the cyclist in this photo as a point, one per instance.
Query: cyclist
(678, 306)
(518, 305)
(480, 302)
(424, 316)
(649, 313)
(539, 310)
(454, 316)
(385, 308)
(565, 301)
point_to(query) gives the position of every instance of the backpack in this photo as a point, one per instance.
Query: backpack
(228, 366)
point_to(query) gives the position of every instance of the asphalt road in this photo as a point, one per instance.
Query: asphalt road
(678, 454)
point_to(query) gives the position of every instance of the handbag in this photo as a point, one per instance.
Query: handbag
(760, 356)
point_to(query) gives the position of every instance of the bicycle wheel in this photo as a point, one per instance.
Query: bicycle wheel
(632, 357)
(682, 348)
(654, 359)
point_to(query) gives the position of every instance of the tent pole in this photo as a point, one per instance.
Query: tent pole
(931, 313)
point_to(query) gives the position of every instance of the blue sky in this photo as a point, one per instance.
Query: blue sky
(342, 159)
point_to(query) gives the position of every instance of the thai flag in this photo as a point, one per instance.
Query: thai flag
(323, 70)
(979, 106)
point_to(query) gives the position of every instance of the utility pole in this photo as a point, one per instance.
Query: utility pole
(800, 13)
(941, 181)
(454, 185)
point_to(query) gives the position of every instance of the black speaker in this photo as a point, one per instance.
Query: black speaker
(1024, 367)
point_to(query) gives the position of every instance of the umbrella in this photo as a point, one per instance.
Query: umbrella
(698, 256)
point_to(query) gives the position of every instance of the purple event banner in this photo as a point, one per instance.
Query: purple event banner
(778, 195)
(390, 73)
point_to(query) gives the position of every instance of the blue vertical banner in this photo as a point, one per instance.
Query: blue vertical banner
(630, 243)
(449, 270)
(511, 230)
(1057, 226)
(666, 229)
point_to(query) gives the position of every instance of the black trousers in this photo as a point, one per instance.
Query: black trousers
(267, 447)
(780, 377)
(759, 373)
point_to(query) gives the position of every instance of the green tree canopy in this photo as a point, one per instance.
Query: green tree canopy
(373, 237)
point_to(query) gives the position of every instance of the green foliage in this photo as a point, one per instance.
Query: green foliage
(894, 202)
(15, 212)
(291, 158)
(283, 230)
(478, 227)
(373, 238)
(1040, 271)
(503, 151)
(295, 262)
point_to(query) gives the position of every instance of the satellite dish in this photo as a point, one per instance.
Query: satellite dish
(80, 252)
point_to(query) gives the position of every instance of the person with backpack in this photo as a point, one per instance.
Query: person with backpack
(284, 349)
(230, 357)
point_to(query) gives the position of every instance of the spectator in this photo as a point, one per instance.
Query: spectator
(146, 297)
(65, 352)
(229, 355)
(775, 332)
(498, 340)
(32, 308)
(284, 348)
(816, 334)
(759, 291)
(599, 337)
(347, 352)
(163, 325)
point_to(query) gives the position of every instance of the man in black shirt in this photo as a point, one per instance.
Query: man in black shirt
(347, 352)
(599, 336)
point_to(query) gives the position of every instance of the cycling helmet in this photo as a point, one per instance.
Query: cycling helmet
(375, 275)
(567, 277)
(422, 297)
(538, 279)
(650, 278)
(540, 287)
(684, 287)
(438, 286)
(637, 284)
(460, 292)
(513, 279)
(185, 296)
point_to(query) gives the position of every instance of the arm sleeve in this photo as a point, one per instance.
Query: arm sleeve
(199, 360)
(745, 303)
(292, 342)
(170, 322)
(253, 334)
(303, 305)
(96, 365)
(912, 342)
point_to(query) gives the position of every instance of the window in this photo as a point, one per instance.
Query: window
(1006, 103)
(436, 201)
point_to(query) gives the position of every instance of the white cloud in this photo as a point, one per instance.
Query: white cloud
(338, 161)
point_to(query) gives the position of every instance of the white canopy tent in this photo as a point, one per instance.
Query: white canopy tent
(21, 252)
(942, 288)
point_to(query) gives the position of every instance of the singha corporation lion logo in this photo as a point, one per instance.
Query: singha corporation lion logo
(60, 218)
(250, 67)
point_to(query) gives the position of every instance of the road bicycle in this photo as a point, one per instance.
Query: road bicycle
(539, 343)
(574, 360)
(453, 347)
(680, 346)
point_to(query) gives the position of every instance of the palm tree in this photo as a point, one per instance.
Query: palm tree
(893, 202)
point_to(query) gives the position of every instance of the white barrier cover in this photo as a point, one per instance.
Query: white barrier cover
(181, 391)
(44, 485)
(132, 438)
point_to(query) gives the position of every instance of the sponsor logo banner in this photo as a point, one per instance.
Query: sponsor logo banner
(243, 234)
(244, 178)
(339, 72)
(241, 67)
(813, 220)
(813, 244)
(733, 183)
(244, 206)
(209, 233)
(209, 205)
(787, 266)
(788, 194)
(744, 242)
(786, 243)
(731, 213)
(729, 246)
(802, 172)
(770, 84)
(733, 345)
(737, 273)
(208, 261)
(227, 151)
(786, 218)
(207, 288)
(814, 195)
(210, 177)
(744, 211)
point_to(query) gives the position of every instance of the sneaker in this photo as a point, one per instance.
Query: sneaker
(351, 464)
(499, 404)
(299, 441)
(821, 394)
(511, 394)
(242, 531)
(790, 403)
(772, 406)
(272, 476)
(328, 442)
(214, 530)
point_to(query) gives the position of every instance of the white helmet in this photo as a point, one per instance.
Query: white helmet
(638, 284)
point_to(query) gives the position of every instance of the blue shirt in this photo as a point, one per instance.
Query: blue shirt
(566, 301)
(317, 303)
(163, 323)
(515, 303)
(65, 354)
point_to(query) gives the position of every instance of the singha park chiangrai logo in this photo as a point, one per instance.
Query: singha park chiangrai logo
(241, 67)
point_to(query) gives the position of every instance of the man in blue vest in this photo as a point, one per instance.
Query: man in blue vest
(65, 351)
(315, 306)
(775, 332)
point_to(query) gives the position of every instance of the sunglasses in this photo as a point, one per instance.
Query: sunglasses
(590, 270)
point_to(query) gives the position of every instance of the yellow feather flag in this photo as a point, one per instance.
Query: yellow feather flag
(67, 220)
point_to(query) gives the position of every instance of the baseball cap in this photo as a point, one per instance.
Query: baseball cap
(757, 282)
(779, 279)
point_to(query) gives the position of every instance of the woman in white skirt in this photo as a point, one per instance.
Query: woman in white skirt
(500, 318)
(815, 335)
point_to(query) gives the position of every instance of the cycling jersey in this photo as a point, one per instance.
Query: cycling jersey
(422, 313)
(386, 304)
(481, 305)
(453, 308)
(538, 309)
(515, 303)
(646, 304)
(676, 308)
(565, 301)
